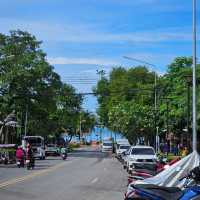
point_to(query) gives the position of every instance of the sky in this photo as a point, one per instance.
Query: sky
(83, 36)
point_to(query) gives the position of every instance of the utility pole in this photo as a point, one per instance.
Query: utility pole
(155, 106)
(194, 107)
(26, 120)
(188, 110)
(157, 139)
(167, 118)
(80, 127)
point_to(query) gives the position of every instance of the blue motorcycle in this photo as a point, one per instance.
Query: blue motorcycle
(154, 192)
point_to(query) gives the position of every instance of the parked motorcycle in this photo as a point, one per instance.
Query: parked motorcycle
(141, 172)
(4, 159)
(164, 164)
(191, 190)
(139, 175)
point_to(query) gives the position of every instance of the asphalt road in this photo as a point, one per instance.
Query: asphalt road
(87, 174)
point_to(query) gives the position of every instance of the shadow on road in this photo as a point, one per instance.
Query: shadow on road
(41, 167)
(89, 154)
(8, 166)
(52, 158)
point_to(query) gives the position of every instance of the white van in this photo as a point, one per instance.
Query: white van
(37, 143)
(121, 146)
(107, 146)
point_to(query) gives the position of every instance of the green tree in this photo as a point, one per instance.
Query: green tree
(29, 84)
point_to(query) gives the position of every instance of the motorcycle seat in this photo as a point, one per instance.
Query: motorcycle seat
(165, 193)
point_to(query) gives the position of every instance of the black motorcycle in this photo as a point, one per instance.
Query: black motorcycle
(30, 164)
(20, 162)
(64, 156)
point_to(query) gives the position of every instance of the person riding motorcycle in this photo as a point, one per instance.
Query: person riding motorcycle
(63, 152)
(20, 156)
(30, 156)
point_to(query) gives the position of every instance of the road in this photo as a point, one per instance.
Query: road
(87, 174)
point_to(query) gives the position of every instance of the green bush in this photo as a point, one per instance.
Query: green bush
(7, 150)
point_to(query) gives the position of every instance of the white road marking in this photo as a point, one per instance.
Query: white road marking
(94, 180)
(33, 174)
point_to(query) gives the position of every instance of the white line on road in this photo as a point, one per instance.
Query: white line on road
(94, 180)
(32, 175)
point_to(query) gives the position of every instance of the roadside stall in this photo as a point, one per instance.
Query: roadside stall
(7, 153)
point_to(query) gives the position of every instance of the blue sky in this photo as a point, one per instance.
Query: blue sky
(81, 36)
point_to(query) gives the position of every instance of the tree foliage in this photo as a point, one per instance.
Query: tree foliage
(29, 84)
(126, 99)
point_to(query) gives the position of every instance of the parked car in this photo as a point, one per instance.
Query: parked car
(122, 148)
(139, 156)
(123, 155)
(121, 145)
(107, 146)
(51, 150)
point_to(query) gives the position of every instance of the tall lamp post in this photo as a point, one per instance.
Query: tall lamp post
(194, 107)
(188, 79)
(155, 84)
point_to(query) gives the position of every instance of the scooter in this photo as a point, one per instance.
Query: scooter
(191, 190)
(138, 175)
(4, 159)
(163, 164)
(64, 156)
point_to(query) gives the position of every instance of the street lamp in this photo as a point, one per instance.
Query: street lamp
(155, 83)
(194, 107)
(188, 79)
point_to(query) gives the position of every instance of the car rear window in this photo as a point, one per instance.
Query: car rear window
(51, 145)
(142, 151)
(124, 147)
(107, 144)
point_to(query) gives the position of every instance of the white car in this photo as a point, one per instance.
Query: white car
(125, 157)
(141, 156)
(107, 146)
(121, 149)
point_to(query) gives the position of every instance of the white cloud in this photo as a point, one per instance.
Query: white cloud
(89, 61)
(78, 33)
